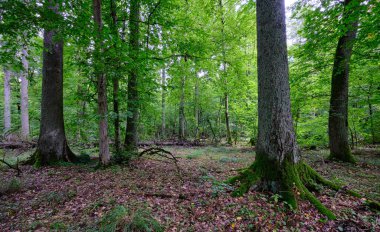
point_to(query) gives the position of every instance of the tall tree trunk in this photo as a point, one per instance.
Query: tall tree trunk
(163, 103)
(104, 154)
(196, 110)
(131, 135)
(277, 167)
(370, 112)
(24, 96)
(7, 100)
(52, 144)
(338, 114)
(115, 83)
(181, 115)
(224, 77)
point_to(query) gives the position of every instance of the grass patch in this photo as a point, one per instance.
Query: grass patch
(121, 218)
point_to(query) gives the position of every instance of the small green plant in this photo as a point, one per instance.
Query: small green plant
(58, 226)
(13, 186)
(195, 154)
(229, 160)
(121, 218)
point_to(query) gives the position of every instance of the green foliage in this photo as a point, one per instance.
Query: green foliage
(121, 218)
(12, 186)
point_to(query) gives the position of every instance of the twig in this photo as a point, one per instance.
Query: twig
(16, 167)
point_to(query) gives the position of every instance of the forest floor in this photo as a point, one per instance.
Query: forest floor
(152, 194)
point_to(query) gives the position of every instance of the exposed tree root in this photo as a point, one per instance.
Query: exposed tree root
(301, 177)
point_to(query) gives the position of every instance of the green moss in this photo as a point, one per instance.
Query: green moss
(345, 156)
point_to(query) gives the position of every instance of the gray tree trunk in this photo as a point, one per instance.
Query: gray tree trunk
(131, 136)
(104, 153)
(196, 110)
(52, 144)
(276, 143)
(7, 100)
(338, 114)
(24, 96)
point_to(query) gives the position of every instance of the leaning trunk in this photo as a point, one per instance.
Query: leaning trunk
(24, 96)
(104, 154)
(7, 100)
(52, 144)
(338, 114)
(131, 136)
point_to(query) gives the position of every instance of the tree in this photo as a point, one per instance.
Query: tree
(24, 95)
(104, 153)
(131, 136)
(338, 114)
(278, 167)
(52, 143)
(7, 100)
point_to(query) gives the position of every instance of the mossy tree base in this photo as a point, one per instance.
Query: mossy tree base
(295, 179)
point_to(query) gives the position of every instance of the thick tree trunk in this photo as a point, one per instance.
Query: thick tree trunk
(104, 153)
(163, 103)
(338, 114)
(7, 100)
(24, 96)
(52, 144)
(277, 167)
(276, 144)
(131, 136)
(181, 115)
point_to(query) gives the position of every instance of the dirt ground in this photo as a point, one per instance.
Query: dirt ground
(81, 198)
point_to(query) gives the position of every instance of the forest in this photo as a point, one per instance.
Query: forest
(190, 115)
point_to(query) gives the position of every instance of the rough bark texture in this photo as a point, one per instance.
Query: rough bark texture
(163, 104)
(104, 154)
(338, 114)
(131, 136)
(277, 167)
(7, 100)
(52, 144)
(276, 139)
(24, 96)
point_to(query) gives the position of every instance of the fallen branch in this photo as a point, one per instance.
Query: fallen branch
(16, 167)
(164, 154)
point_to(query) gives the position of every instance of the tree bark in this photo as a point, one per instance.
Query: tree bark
(24, 96)
(276, 143)
(277, 166)
(338, 114)
(224, 77)
(115, 83)
(52, 144)
(104, 154)
(163, 103)
(7, 100)
(131, 135)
